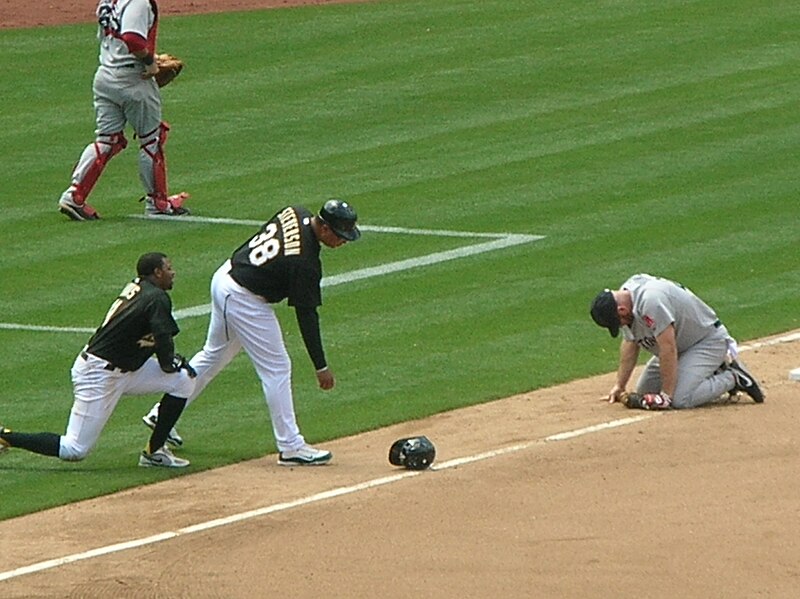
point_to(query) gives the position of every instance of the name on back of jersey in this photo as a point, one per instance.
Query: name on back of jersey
(291, 232)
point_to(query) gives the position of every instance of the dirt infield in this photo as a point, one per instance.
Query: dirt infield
(548, 494)
(694, 504)
(16, 14)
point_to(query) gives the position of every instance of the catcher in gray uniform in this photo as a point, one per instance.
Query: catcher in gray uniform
(695, 360)
(125, 93)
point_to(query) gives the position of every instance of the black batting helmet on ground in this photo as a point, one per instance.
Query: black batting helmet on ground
(341, 218)
(414, 453)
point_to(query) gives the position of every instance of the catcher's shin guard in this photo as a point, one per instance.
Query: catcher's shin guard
(153, 166)
(92, 162)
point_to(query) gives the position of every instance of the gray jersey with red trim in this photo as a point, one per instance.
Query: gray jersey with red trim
(658, 303)
(118, 17)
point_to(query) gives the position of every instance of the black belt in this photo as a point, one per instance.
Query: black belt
(717, 324)
(109, 366)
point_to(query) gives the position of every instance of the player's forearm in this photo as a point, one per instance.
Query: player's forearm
(146, 57)
(669, 372)
(308, 321)
(668, 360)
(137, 45)
(628, 352)
(668, 368)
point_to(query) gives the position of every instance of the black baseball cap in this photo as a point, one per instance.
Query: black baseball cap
(604, 311)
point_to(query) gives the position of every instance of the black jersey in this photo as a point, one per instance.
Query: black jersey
(141, 314)
(281, 261)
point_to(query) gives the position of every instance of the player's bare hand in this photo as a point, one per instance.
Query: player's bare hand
(615, 394)
(150, 70)
(325, 379)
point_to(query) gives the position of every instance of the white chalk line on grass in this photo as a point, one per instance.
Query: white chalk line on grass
(303, 501)
(13, 326)
(498, 241)
(398, 266)
(370, 228)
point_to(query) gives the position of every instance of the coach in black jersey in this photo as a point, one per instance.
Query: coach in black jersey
(117, 361)
(281, 261)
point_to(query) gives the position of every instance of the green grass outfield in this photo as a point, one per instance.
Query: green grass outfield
(634, 135)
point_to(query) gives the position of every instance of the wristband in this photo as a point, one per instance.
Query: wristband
(148, 59)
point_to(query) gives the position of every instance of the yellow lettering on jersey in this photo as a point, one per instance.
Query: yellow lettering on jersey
(130, 291)
(291, 232)
(147, 341)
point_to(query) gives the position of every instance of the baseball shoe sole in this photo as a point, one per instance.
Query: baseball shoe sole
(744, 381)
(305, 456)
(161, 458)
(173, 438)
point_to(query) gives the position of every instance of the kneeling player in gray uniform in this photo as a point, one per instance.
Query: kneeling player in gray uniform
(694, 359)
(117, 361)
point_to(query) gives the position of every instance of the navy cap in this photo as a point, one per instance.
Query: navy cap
(604, 312)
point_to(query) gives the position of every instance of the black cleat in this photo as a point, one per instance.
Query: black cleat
(744, 381)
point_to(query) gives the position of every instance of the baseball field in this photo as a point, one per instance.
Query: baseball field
(508, 160)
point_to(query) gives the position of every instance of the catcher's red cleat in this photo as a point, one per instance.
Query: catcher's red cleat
(78, 211)
(172, 206)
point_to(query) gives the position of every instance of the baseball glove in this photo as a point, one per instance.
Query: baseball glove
(648, 401)
(169, 67)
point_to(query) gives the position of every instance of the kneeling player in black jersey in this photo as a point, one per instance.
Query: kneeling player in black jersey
(117, 361)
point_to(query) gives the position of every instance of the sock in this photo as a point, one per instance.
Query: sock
(43, 443)
(168, 413)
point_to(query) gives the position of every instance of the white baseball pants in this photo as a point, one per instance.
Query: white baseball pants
(242, 319)
(97, 392)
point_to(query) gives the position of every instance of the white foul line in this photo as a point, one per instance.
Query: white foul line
(303, 501)
(12, 326)
(373, 228)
